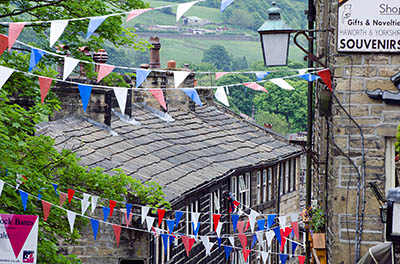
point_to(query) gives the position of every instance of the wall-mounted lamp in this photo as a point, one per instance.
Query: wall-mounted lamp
(381, 200)
(393, 215)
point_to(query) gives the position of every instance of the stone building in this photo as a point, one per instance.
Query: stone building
(354, 132)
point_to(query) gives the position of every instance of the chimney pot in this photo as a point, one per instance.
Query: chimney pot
(171, 64)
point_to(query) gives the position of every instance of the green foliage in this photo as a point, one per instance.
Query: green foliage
(218, 56)
(397, 143)
(278, 122)
(317, 220)
(239, 63)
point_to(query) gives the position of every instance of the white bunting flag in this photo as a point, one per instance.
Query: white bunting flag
(282, 221)
(1, 186)
(56, 29)
(94, 203)
(121, 94)
(218, 230)
(5, 73)
(252, 219)
(71, 220)
(195, 219)
(282, 83)
(220, 95)
(264, 256)
(232, 241)
(179, 77)
(260, 238)
(149, 222)
(69, 66)
(85, 202)
(270, 235)
(182, 8)
(302, 71)
(207, 244)
(145, 210)
(294, 216)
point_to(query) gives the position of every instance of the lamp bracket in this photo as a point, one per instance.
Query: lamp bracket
(309, 54)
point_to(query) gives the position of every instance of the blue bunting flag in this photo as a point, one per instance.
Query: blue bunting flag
(95, 227)
(36, 55)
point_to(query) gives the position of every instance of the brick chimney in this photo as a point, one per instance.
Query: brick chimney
(155, 53)
(100, 57)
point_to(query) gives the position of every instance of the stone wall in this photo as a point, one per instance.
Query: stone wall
(354, 74)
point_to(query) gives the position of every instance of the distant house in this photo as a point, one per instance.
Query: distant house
(195, 21)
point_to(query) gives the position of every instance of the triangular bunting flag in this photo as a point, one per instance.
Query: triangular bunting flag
(3, 43)
(106, 213)
(301, 259)
(219, 240)
(39, 194)
(5, 73)
(94, 23)
(24, 198)
(243, 240)
(294, 246)
(246, 253)
(112, 206)
(282, 84)
(128, 219)
(247, 226)
(46, 209)
(161, 213)
(69, 66)
(228, 251)
(240, 226)
(95, 227)
(270, 221)
(261, 75)
(308, 77)
(145, 211)
(207, 244)
(85, 91)
(71, 220)
(55, 186)
(117, 232)
(94, 202)
(149, 222)
(128, 207)
(165, 242)
(294, 216)
(326, 77)
(18, 236)
(264, 256)
(104, 70)
(235, 219)
(252, 219)
(225, 4)
(260, 238)
(282, 221)
(56, 29)
(254, 241)
(232, 241)
(277, 232)
(284, 236)
(193, 95)
(44, 84)
(256, 87)
(179, 77)
(270, 235)
(295, 227)
(170, 225)
(220, 95)
(36, 55)
(171, 239)
(159, 95)
(216, 218)
(71, 193)
(220, 74)
(63, 197)
(283, 258)
(121, 95)
(137, 12)
(260, 224)
(1, 186)
(85, 203)
(188, 242)
(302, 71)
(14, 29)
(219, 227)
(178, 216)
(195, 223)
(182, 8)
(141, 75)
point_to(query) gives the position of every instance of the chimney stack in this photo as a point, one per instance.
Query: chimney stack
(100, 57)
(155, 53)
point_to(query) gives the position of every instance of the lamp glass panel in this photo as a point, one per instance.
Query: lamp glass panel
(275, 49)
(396, 217)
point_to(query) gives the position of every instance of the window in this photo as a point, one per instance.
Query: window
(214, 206)
(244, 190)
(259, 197)
(265, 184)
(270, 184)
(287, 179)
(281, 178)
(192, 207)
(391, 173)
(293, 172)
(234, 187)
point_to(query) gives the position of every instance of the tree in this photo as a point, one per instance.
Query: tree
(218, 56)
(239, 63)
(278, 122)
(242, 18)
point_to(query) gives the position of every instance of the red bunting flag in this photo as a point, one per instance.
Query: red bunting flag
(159, 95)
(44, 84)
(63, 197)
(240, 226)
(46, 209)
(284, 236)
(14, 29)
(104, 70)
(216, 218)
(326, 77)
(243, 240)
(3, 43)
(112, 205)
(301, 259)
(220, 74)
(117, 232)
(128, 221)
(246, 253)
(247, 226)
(255, 86)
(70, 195)
(188, 242)
(137, 12)
(161, 213)
(295, 226)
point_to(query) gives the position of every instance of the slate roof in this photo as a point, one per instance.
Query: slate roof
(181, 155)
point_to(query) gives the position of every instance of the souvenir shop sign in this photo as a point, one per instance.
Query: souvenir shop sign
(368, 26)
(18, 238)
